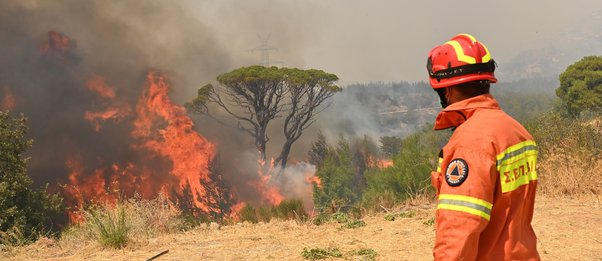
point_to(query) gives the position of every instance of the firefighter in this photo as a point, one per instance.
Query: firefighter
(486, 177)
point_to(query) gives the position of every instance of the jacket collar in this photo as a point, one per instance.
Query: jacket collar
(458, 112)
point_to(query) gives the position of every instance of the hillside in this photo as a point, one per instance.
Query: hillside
(568, 229)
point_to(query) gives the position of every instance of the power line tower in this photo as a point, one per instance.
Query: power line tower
(265, 49)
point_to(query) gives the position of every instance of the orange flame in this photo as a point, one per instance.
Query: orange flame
(119, 110)
(313, 180)
(58, 45)
(189, 152)
(270, 194)
(161, 128)
(8, 100)
(384, 163)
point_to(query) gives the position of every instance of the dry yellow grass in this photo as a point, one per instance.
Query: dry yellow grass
(568, 229)
(577, 173)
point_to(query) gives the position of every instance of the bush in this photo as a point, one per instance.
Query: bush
(111, 227)
(410, 174)
(287, 209)
(320, 253)
(248, 213)
(365, 253)
(25, 214)
(336, 173)
(355, 224)
(290, 209)
(130, 221)
(570, 153)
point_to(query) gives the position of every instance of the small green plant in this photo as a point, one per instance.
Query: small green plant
(405, 214)
(13, 237)
(355, 224)
(248, 213)
(320, 253)
(290, 209)
(390, 217)
(365, 254)
(112, 230)
(320, 219)
(429, 222)
(340, 217)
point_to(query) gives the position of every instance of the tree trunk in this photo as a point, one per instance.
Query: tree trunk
(282, 159)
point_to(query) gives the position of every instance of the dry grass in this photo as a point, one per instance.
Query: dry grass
(565, 230)
(144, 219)
(562, 175)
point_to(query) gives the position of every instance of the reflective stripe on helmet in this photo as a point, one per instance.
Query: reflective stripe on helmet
(460, 53)
(465, 204)
(459, 60)
(516, 165)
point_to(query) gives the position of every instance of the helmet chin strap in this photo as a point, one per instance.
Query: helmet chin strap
(442, 92)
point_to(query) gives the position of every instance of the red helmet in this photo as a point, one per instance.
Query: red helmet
(462, 59)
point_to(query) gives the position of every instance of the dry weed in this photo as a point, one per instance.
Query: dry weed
(572, 174)
(144, 218)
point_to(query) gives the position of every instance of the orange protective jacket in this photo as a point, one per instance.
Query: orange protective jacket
(485, 185)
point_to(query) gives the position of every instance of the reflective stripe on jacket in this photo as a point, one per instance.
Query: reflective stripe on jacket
(486, 213)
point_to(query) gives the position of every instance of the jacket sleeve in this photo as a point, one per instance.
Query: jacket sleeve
(464, 203)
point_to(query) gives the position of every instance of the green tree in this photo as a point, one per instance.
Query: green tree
(581, 86)
(336, 174)
(318, 150)
(390, 145)
(410, 173)
(254, 96)
(24, 213)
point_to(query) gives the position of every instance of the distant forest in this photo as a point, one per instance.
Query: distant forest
(400, 108)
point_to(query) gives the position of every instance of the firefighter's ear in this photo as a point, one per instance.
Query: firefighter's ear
(448, 94)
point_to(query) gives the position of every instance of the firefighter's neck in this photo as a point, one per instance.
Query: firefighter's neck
(454, 95)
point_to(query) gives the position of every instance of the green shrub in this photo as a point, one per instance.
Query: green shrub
(320, 219)
(287, 209)
(264, 213)
(365, 253)
(112, 229)
(340, 217)
(355, 224)
(393, 216)
(336, 172)
(248, 213)
(25, 214)
(130, 221)
(290, 209)
(320, 253)
(429, 222)
(410, 174)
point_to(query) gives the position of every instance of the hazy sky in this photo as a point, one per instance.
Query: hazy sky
(389, 40)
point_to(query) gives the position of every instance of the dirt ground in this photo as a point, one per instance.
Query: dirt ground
(568, 229)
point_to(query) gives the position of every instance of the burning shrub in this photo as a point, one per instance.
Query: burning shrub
(24, 213)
